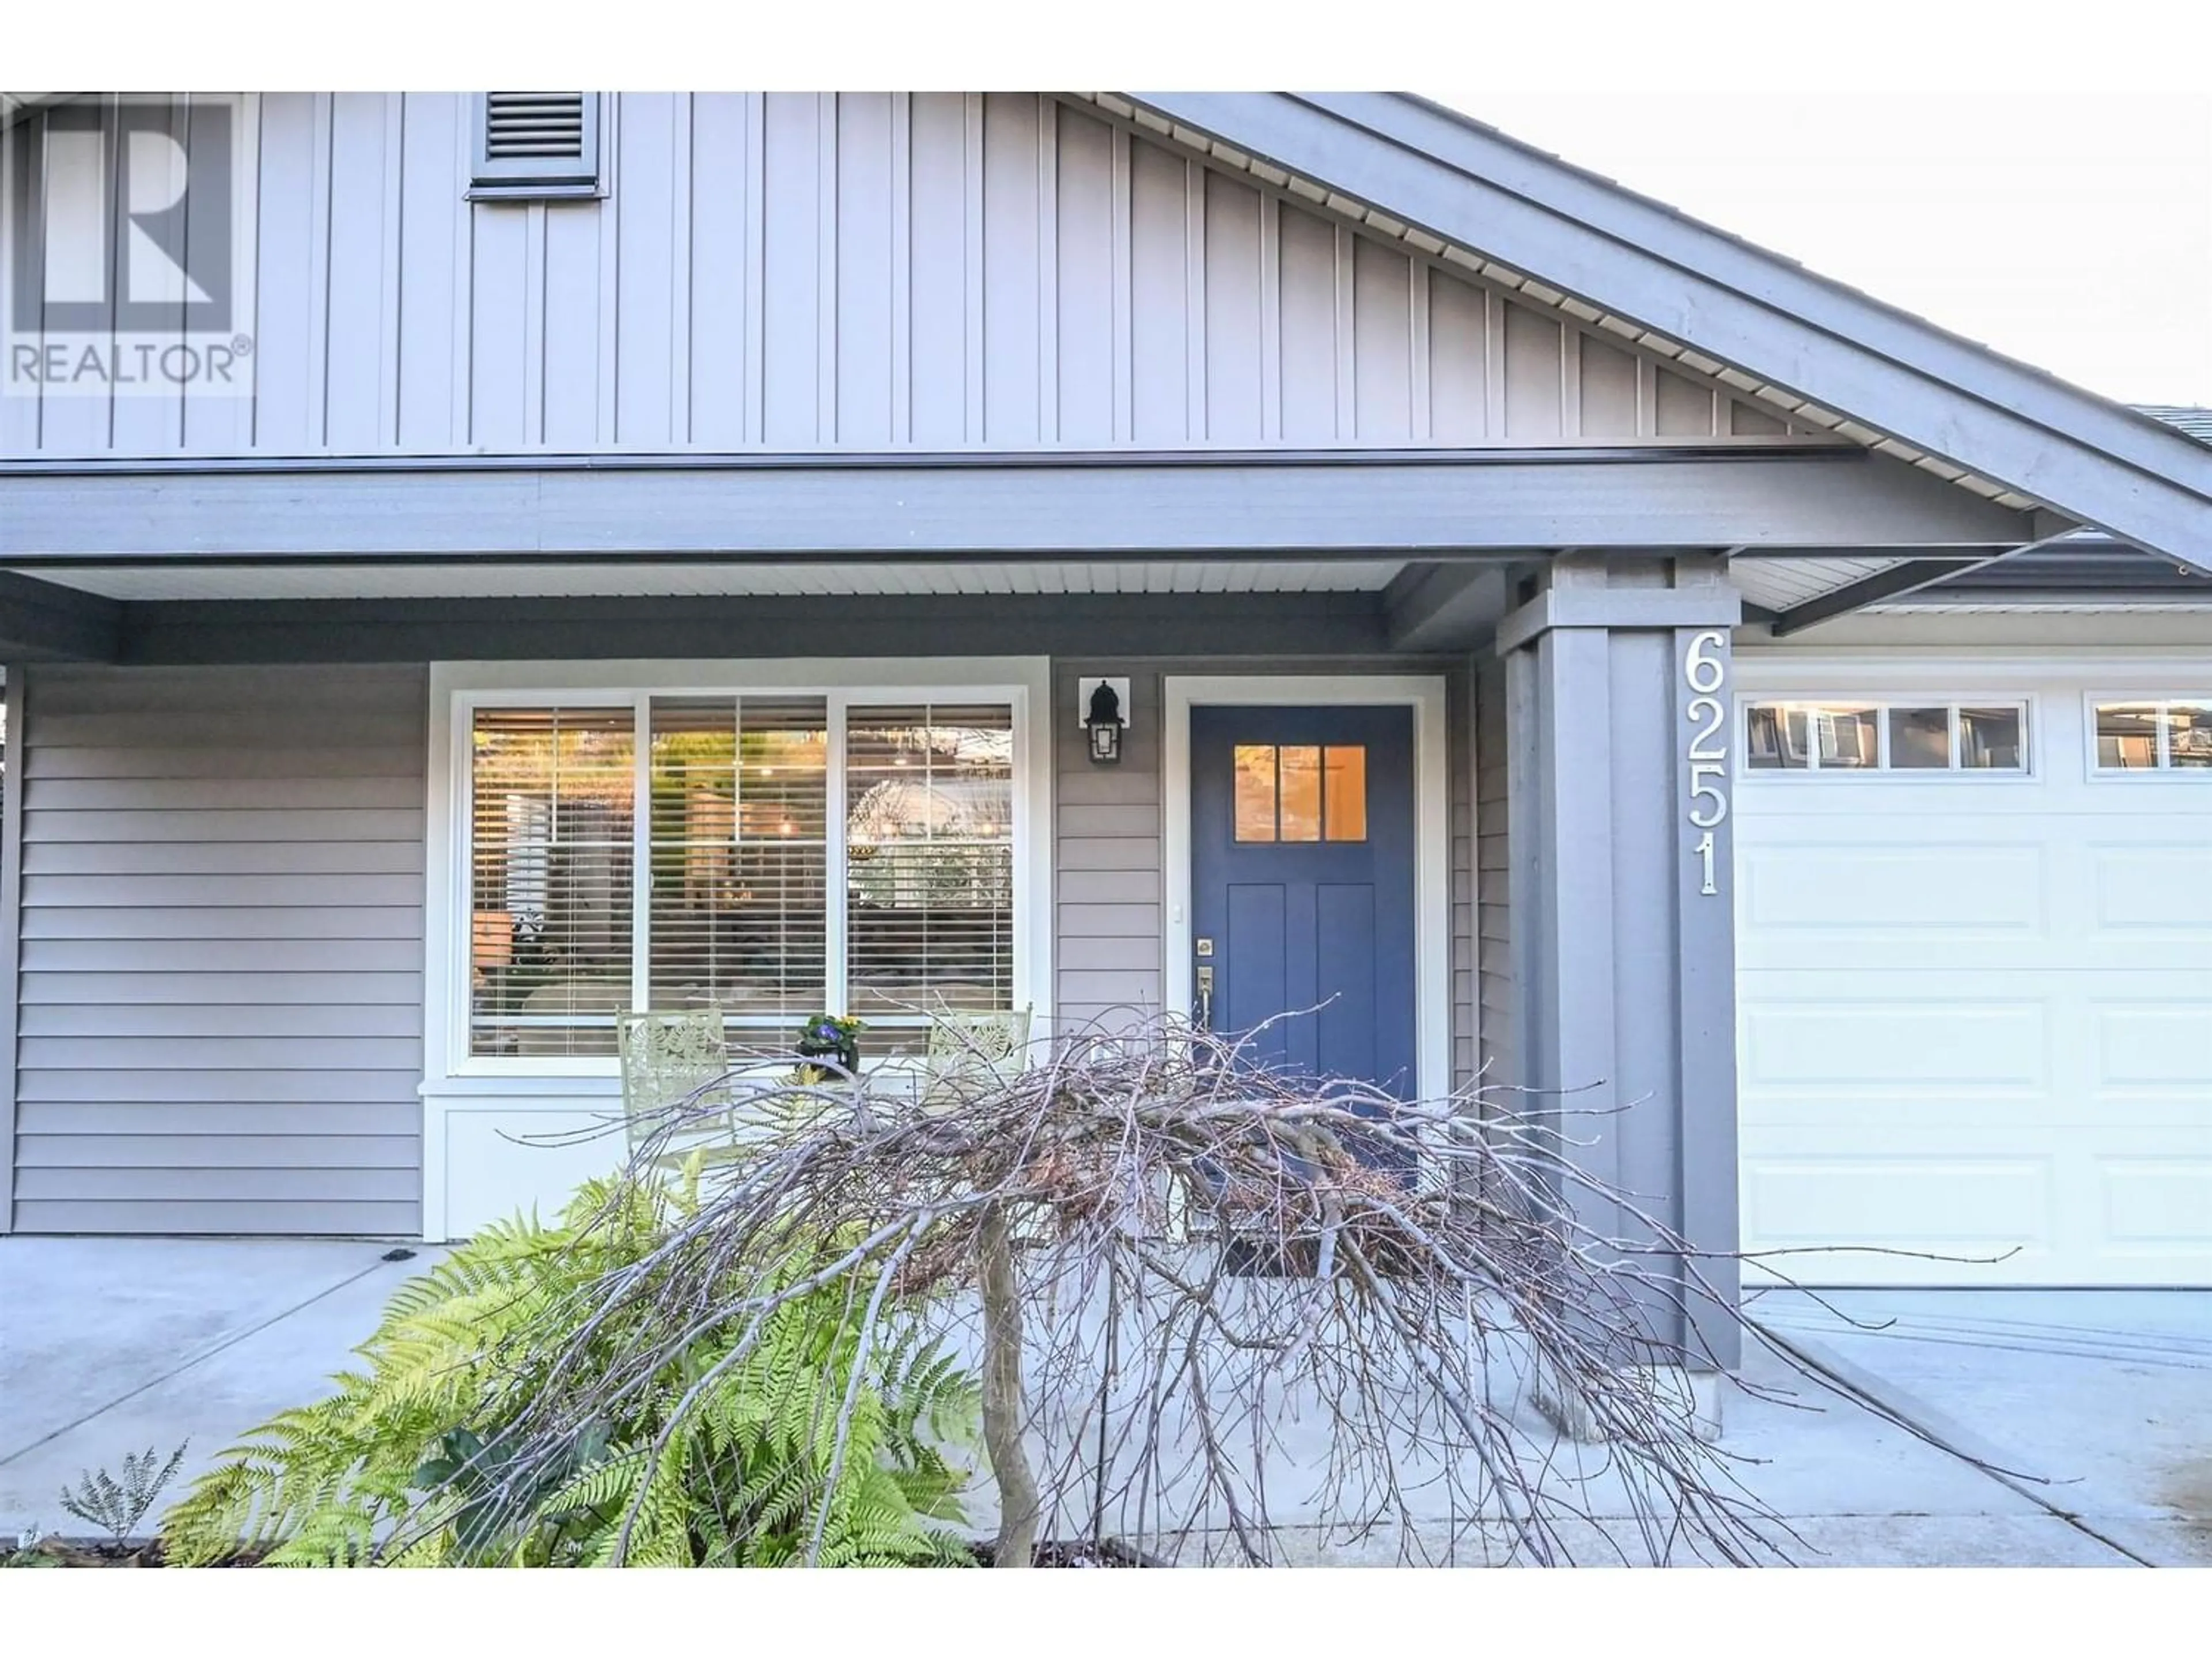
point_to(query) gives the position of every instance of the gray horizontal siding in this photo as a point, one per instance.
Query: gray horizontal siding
(859, 269)
(220, 979)
(1108, 862)
(1494, 964)
(308, 1216)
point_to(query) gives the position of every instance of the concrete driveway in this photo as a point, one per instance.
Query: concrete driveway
(2101, 1400)
(2099, 1406)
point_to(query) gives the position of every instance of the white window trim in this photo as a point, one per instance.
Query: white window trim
(2165, 770)
(456, 690)
(1881, 702)
(1432, 1048)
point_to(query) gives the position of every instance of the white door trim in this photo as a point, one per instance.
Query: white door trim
(1424, 695)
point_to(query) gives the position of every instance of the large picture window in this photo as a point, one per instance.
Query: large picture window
(798, 852)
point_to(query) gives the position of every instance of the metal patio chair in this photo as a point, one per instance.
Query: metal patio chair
(667, 1057)
(967, 1052)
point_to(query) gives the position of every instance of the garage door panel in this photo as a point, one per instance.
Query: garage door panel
(1957, 1200)
(1835, 888)
(1892, 1044)
(2057, 1214)
(2155, 1205)
(2153, 888)
(2169, 1044)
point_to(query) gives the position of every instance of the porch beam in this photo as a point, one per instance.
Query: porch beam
(46, 621)
(1090, 626)
(1386, 504)
(1433, 605)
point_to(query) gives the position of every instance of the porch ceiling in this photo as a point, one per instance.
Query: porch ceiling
(164, 582)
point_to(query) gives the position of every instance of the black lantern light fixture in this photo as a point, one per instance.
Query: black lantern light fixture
(1103, 719)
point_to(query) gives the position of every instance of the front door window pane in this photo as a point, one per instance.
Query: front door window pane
(1344, 793)
(1989, 739)
(1255, 792)
(1920, 738)
(1301, 793)
(2127, 735)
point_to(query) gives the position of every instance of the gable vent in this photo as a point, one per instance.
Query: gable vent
(547, 123)
(537, 145)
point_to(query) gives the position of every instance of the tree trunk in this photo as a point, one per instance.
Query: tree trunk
(1003, 1410)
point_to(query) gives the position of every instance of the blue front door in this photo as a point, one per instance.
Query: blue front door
(1302, 885)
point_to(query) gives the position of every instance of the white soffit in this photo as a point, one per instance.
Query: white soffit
(644, 579)
(1780, 584)
(1918, 607)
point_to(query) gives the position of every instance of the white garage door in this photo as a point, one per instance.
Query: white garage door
(1975, 973)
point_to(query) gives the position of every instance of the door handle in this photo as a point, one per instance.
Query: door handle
(1206, 997)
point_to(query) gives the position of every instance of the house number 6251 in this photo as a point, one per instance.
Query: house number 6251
(1704, 669)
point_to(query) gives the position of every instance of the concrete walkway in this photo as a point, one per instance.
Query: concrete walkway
(2100, 1403)
(110, 1346)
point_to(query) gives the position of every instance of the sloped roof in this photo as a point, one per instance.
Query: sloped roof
(1818, 351)
(2197, 423)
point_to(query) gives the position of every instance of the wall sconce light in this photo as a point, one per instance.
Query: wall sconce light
(1104, 712)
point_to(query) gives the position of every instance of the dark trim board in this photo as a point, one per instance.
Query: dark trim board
(1391, 505)
(15, 694)
(44, 622)
(1209, 625)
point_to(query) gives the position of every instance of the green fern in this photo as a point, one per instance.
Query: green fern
(415, 1443)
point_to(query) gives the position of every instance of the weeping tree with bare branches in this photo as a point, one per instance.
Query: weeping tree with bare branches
(1218, 1313)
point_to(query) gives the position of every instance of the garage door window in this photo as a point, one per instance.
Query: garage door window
(2154, 736)
(1880, 737)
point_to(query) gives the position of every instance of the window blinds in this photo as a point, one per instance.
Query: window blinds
(550, 878)
(740, 915)
(742, 840)
(929, 858)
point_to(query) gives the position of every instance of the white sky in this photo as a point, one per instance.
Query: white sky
(2071, 230)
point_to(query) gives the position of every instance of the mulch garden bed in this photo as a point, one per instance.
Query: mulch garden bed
(100, 1552)
(147, 1552)
(1080, 1552)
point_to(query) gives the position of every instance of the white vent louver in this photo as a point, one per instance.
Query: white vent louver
(536, 144)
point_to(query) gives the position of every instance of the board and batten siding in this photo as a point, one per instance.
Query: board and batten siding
(1110, 855)
(221, 972)
(868, 270)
